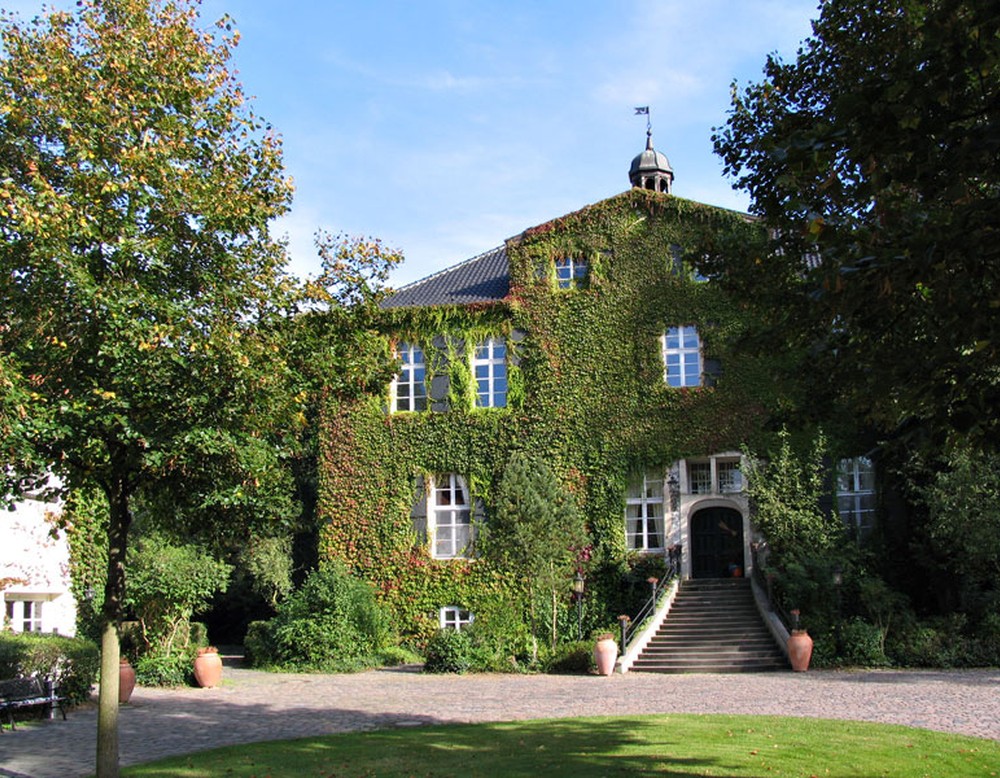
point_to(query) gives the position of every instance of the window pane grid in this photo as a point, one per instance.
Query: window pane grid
(730, 477)
(856, 492)
(570, 271)
(453, 617)
(700, 477)
(682, 356)
(411, 390)
(644, 513)
(489, 367)
(452, 517)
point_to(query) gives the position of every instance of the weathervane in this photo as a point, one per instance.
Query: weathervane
(644, 110)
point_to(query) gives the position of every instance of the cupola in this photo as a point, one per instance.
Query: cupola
(651, 169)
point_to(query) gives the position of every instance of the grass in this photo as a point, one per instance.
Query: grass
(668, 745)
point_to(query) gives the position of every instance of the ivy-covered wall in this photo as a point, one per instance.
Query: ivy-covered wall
(587, 393)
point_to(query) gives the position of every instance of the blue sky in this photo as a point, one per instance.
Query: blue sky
(445, 126)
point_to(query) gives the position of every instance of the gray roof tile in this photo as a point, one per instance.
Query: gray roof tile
(484, 278)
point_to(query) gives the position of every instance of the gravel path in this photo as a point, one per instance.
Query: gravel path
(252, 706)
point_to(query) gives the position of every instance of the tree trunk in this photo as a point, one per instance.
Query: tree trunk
(107, 703)
(119, 519)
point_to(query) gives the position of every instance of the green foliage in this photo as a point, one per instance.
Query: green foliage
(594, 747)
(72, 663)
(258, 647)
(587, 399)
(167, 584)
(963, 504)
(449, 651)
(862, 644)
(141, 289)
(159, 669)
(874, 153)
(332, 623)
(786, 493)
(536, 532)
(268, 562)
(576, 658)
(84, 518)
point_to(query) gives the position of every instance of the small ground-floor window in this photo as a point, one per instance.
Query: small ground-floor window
(24, 615)
(456, 618)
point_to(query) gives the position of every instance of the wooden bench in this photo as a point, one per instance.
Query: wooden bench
(17, 693)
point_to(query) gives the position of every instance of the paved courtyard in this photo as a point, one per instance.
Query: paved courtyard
(252, 706)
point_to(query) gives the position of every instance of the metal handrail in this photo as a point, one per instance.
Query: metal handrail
(630, 625)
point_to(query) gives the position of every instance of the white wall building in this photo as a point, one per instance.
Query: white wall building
(34, 570)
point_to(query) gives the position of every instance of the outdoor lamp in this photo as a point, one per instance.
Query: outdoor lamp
(578, 594)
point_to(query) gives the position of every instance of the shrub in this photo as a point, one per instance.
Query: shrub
(258, 645)
(332, 623)
(861, 644)
(155, 669)
(393, 656)
(71, 663)
(572, 658)
(167, 583)
(449, 651)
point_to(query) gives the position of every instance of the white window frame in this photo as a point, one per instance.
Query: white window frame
(455, 618)
(678, 357)
(649, 507)
(707, 475)
(414, 389)
(570, 271)
(450, 513)
(855, 502)
(489, 371)
(704, 483)
(732, 485)
(24, 614)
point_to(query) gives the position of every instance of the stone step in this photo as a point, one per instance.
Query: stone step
(718, 669)
(713, 627)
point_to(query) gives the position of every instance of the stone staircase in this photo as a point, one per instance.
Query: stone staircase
(713, 627)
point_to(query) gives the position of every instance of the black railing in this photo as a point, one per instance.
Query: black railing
(629, 624)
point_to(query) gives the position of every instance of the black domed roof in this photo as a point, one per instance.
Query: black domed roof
(651, 169)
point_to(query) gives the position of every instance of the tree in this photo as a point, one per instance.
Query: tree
(167, 583)
(536, 531)
(143, 294)
(875, 159)
(786, 493)
(962, 533)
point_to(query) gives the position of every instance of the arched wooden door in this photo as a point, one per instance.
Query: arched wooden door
(716, 542)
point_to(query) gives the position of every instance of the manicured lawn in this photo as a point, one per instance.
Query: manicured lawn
(671, 745)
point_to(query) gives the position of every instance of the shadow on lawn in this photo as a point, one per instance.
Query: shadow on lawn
(567, 747)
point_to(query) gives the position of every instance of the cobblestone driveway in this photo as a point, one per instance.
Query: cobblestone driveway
(252, 706)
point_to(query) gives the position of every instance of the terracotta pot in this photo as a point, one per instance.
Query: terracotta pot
(207, 668)
(800, 649)
(126, 681)
(605, 654)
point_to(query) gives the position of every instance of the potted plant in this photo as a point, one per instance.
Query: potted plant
(800, 645)
(208, 667)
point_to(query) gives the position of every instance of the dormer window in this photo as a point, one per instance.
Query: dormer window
(570, 272)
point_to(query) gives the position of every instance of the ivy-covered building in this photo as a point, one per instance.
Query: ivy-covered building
(592, 342)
